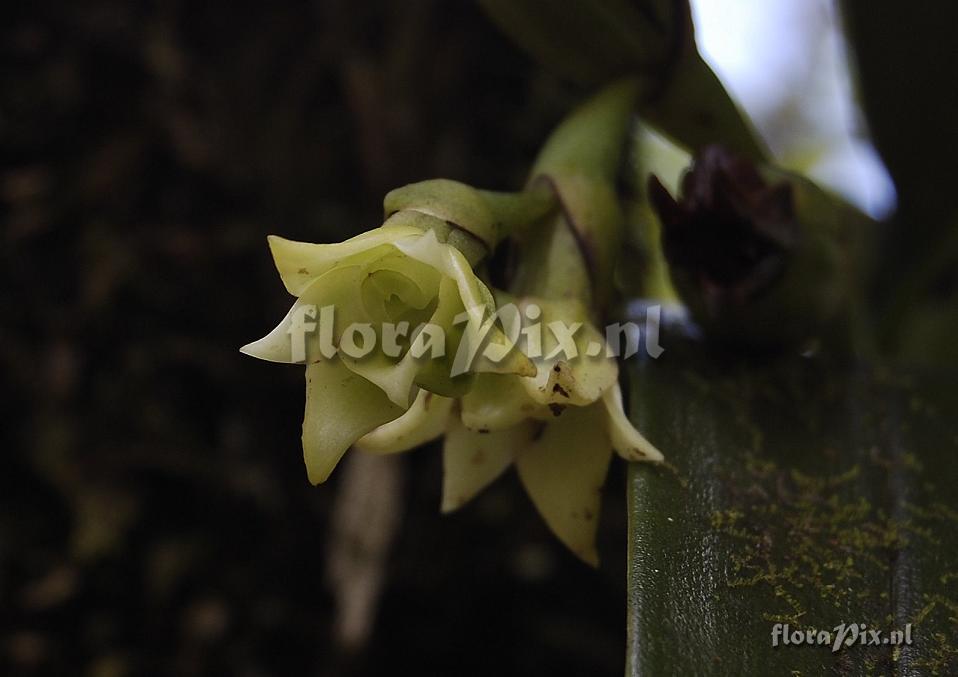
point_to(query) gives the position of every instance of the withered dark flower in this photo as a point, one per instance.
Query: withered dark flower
(730, 230)
(759, 255)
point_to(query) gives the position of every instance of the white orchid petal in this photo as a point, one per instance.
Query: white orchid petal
(450, 262)
(496, 402)
(471, 461)
(628, 442)
(299, 263)
(396, 378)
(276, 345)
(575, 374)
(341, 407)
(563, 471)
(338, 288)
(425, 420)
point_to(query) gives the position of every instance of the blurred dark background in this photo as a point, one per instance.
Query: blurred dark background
(156, 516)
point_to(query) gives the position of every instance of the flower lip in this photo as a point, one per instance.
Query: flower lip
(395, 289)
(730, 228)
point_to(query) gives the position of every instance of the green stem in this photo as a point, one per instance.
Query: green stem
(573, 253)
(591, 140)
(473, 220)
(553, 266)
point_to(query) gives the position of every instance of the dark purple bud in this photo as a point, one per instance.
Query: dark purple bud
(730, 232)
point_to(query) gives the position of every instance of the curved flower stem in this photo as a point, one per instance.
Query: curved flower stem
(553, 265)
(472, 220)
(572, 255)
(517, 212)
(591, 140)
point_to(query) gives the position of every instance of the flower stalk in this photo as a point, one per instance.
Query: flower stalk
(474, 221)
(579, 163)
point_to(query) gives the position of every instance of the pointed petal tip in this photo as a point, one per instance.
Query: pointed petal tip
(316, 477)
(250, 349)
(319, 470)
(655, 456)
(646, 453)
(401, 398)
(274, 242)
(627, 441)
(279, 240)
(453, 503)
(526, 368)
(590, 557)
(258, 350)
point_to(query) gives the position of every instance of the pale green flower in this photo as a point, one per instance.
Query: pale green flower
(559, 427)
(402, 274)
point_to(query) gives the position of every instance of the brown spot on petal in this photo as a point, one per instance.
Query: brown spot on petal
(559, 389)
(303, 271)
(556, 409)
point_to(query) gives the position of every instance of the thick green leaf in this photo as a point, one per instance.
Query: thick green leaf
(800, 492)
